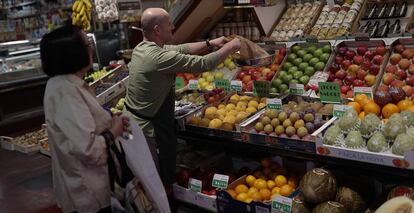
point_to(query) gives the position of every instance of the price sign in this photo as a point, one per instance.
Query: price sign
(193, 84)
(223, 84)
(311, 39)
(220, 181)
(296, 89)
(261, 88)
(330, 92)
(179, 82)
(195, 185)
(281, 204)
(363, 90)
(236, 86)
(361, 37)
(339, 110)
(274, 103)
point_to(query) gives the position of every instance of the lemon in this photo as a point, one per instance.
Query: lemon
(251, 110)
(253, 104)
(215, 123)
(250, 179)
(230, 107)
(222, 106)
(261, 106)
(222, 112)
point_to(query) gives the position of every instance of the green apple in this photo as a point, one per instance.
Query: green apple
(303, 65)
(287, 65)
(304, 79)
(313, 61)
(327, 48)
(309, 71)
(318, 52)
(292, 57)
(297, 61)
(307, 57)
(319, 66)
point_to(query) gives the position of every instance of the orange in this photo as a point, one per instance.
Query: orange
(250, 179)
(241, 188)
(260, 184)
(362, 115)
(410, 108)
(280, 180)
(251, 191)
(256, 196)
(242, 196)
(286, 190)
(292, 182)
(389, 109)
(265, 193)
(232, 193)
(276, 190)
(372, 107)
(271, 184)
(266, 162)
(355, 105)
(362, 99)
(403, 104)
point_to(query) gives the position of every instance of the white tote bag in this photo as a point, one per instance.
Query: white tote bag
(140, 162)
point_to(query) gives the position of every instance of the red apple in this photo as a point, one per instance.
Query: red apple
(387, 78)
(395, 58)
(358, 83)
(349, 94)
(362, 49)
(401, 74)
(361, 74)
(370, 80)
(411, 69)
(345, 89)
(358, 60)
(407, 53)
(397, 83)
(410, 80)
(383, 87)
(341, 74)
(399, 48)
(241, 75)
(377, 60)
(338, 81)
(391, 69)
(366, 64)
(349, 79)
(339, 59)
(353, 69)
(374, 69)
(269, 75)
(342, 50)
(345, 64)
(350, 54)
(246, 79)
(333, 68)
(404, 63)
(331, 77)
(408, 90)
(369, 55)
(380, 50)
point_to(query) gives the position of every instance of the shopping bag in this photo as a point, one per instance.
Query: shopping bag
(140, 162)
(248, 50)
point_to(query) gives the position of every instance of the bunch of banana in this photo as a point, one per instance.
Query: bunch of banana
(81, 14)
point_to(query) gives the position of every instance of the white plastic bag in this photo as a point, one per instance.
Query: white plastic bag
(139, 160)
(106, 10)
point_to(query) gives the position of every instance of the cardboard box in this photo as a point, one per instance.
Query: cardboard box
(207, 202)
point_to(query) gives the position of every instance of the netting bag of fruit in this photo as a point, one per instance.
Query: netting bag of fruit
(106, 10)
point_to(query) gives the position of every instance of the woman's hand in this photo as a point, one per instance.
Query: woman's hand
(119, 125)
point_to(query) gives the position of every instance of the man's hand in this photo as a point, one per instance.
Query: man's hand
(218, 42)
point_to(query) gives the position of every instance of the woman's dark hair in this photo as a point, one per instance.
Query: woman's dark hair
(64, 51)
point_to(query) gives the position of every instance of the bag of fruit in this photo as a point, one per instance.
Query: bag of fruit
(248, 49)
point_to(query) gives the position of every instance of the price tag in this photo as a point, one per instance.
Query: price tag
(179, 82)
(339, 110)
(295, 39)
(361, 37)
(363, 90)
(261, 88)
(296, 89)
(281, 204)
(222, 83)
(220, 181)
(318, 77)
(193, 84)
(311, 39)
(236, 86)
(329, 92)
(274, 103)
(195, 185)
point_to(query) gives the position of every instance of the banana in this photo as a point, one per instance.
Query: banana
(78, 16)
(84, 19)
(88, 15)
(87, 3)
(82, 11)
(79, 7)
(74, 6)
(73, 21)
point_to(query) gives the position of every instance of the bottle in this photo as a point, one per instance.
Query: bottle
(374, 29)
(396, 27)
(365, 28)
(391, 14)
(382, 11)
(384, 29)
(403, 10)
(372, 12)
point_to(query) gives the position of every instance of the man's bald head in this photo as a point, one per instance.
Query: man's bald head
(152, 17)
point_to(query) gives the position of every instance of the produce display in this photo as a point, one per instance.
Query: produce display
(302, 62)
(96, 75)
(296, 120)
(81, 14)
(192, 101)
(29, 139)
(356, 67)
(262, 184)
(119, 106)
(296, 20)
(336, 20)
(248, 74)
(225, 115)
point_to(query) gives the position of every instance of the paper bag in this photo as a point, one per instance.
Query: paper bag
(248, 50)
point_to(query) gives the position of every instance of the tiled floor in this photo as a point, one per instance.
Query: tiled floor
(25, 183)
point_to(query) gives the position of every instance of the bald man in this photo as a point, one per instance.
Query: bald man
(150, 94)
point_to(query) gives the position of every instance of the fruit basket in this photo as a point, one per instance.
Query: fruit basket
(302, 62)
(27, 143)
(369, 140)
(289, 128)
(224, 119)
(357, 64)
(110, 91)
(262, 72)
(112, 76)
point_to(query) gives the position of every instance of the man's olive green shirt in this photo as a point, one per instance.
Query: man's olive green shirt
(152, 75)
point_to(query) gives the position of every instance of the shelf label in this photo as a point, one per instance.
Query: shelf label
(361, 37)
(281, 204)
(311, 39)
(195, 185)
(193, 84)
(179, 83)
(339, 110)
(236, 86)
(261, 88)
(363, 90)
(330, 92)
(296, 89)
(274, 103)
(222, 84)
(220, 181)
